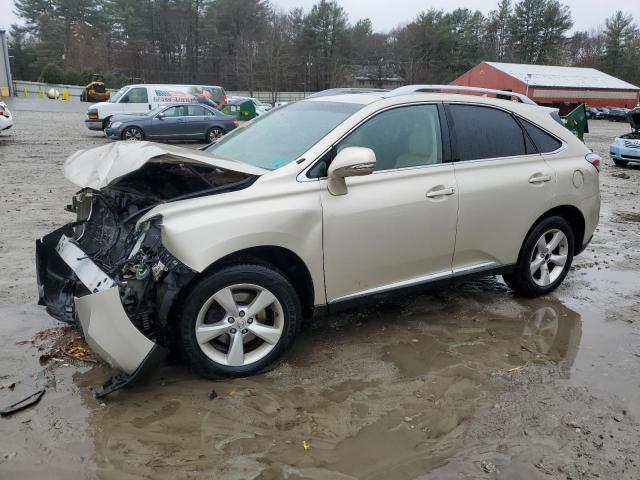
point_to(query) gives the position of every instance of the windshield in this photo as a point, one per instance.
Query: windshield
(119, 93)
(280, 137)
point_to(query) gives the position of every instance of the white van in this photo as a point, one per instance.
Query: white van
(138, 99)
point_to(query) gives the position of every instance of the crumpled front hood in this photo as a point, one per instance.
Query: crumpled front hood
(99, 167)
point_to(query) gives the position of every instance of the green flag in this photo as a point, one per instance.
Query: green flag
(576, 121)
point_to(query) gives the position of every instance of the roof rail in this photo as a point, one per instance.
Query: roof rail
(346, 91)
(409, 89)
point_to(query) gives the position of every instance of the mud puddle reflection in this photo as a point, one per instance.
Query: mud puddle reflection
(388, 393)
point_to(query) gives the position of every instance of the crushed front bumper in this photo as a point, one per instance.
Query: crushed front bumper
(72, 287)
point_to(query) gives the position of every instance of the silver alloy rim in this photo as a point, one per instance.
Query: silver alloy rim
(214, 134)
(239, 325)
(549, 257)
(133, 134)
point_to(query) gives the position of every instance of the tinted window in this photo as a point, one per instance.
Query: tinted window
(196, 111)
(402, 137)
(485, 132)
(545, 142)
(136, 95)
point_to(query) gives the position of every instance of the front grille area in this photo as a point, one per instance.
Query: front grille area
(630, 144)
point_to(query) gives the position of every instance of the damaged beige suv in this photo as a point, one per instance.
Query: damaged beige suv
(329, 201)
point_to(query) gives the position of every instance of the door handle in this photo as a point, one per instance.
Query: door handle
(441, 193)
(538, 178)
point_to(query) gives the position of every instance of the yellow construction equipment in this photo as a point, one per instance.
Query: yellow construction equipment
(95, 91)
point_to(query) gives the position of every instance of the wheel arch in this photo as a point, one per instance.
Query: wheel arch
(573, 216)
(287, 262)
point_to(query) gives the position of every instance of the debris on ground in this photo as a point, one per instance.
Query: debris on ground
(9, 386)
(63, 344)
(620, 175)
(22, 404)
(488, 467)
(212, 394)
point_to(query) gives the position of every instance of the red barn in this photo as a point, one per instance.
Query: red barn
(560, 87)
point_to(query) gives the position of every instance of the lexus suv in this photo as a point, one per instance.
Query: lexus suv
(318, 205)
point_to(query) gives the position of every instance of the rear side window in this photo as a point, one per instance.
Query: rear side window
(545, 142)
(197, 111)
(485, 132)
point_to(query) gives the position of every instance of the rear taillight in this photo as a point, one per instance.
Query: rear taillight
(594, 159)
(226, 99)
(235, 122)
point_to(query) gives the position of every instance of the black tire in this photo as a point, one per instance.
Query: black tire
(133, 134)
(621, 163)
(259, 275)
(522, 280)
(214, 133)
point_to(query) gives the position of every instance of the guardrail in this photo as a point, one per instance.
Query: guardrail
(23, 88)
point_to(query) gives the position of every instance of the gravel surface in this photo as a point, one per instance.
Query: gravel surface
(464, 382)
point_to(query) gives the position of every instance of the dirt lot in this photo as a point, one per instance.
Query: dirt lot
(458, 383)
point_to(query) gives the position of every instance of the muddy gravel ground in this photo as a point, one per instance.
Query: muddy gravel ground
(466, 382)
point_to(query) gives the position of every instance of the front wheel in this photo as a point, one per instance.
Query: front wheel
(214, 133)
(133, 134)
(621, 163)
(238, 321)
(544, 260)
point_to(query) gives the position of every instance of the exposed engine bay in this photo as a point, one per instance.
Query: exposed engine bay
(105, 247)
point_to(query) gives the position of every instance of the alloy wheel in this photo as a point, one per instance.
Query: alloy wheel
(133, 134)
(239, 325)
(549, 257)
(215, 134)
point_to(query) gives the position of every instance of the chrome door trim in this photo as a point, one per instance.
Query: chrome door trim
(396, 285)
(475, 268)
(423, 279)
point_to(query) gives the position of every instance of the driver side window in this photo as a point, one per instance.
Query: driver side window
(174, 112)
(136, 95)
(401, 137)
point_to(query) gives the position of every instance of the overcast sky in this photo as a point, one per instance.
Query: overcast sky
(586, 13)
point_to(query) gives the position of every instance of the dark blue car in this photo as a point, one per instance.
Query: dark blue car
(191, 121)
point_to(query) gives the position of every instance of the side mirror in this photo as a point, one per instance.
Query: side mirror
(160, 116)
(350, 162)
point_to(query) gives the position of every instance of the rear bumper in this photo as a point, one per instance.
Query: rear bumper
(72, 287)
(590, 208)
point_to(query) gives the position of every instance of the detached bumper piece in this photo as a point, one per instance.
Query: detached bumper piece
(73, 287)
(57, 283)
(121, 380)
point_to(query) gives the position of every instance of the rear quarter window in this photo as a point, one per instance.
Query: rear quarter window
(545, 142)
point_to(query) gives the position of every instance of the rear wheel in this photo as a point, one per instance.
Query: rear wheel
(133, 134)
(621, 163)
(544, 260)
(214, 134)
(238, 321)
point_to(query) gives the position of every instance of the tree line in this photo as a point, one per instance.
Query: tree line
(252, 45)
